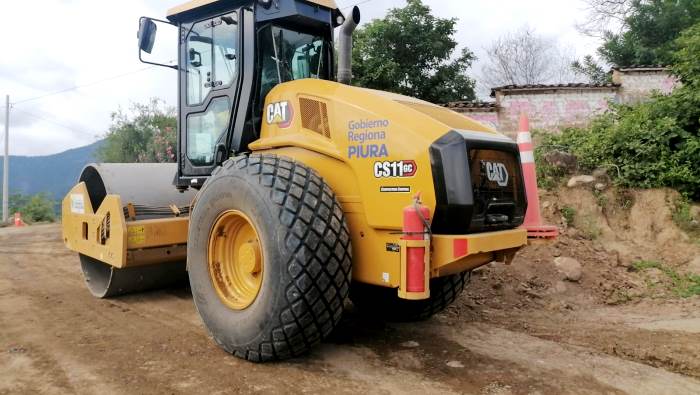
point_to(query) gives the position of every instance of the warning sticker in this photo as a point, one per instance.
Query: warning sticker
(136, 235)
(77, 203)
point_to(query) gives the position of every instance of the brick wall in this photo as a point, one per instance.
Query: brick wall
(552, 107)
(488, 118)
(636, 84)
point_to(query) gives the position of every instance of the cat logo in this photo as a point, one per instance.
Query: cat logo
(279, 113)
(496, 172)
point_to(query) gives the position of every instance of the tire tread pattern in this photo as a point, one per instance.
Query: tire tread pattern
(318, 246)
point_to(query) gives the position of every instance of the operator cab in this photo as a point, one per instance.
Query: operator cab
(231, 54)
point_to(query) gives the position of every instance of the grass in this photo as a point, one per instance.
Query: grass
(683, 285)
(569, 214)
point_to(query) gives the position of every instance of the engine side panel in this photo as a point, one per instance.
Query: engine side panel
(381, 137)
(373, 148)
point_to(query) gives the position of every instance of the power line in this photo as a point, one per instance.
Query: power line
(114, 77)
(356, 4)
(72, 129)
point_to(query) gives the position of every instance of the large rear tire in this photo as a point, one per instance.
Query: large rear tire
(278, 287)
(384, 302)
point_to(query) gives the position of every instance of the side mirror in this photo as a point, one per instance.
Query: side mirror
(165, 52)
(147, 34)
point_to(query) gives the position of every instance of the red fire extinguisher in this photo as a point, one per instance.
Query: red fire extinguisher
(416, 226)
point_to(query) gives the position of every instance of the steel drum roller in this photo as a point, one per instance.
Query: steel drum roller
(148, 188)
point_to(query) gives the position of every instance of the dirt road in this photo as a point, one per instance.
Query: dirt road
(55, 338)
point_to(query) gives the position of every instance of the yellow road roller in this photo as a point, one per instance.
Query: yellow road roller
(294, 190)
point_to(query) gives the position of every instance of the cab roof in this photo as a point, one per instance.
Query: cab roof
(177, 11)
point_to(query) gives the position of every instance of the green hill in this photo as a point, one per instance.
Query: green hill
(54, 174)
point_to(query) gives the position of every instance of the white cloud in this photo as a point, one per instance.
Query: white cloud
(73, 43)
(51, 45)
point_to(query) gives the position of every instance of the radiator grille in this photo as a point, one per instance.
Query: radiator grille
(314, 116)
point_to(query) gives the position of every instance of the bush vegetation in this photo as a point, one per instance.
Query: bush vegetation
(147, 133)
(36, 208)
(647, 145)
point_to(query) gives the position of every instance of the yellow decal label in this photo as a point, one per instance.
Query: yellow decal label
(136, 234)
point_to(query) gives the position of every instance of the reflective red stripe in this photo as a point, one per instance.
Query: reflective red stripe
(460, 248)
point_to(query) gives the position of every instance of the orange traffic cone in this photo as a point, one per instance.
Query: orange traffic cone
(18, 220)
(533, 219)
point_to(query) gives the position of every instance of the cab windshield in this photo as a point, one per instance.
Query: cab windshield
(288, 55)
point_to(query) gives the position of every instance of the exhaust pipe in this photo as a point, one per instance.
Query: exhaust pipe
(345, 46)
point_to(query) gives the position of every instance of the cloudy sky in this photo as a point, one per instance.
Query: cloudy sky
(56, 45)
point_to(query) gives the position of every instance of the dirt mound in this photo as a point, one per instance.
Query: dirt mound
(626, 244)
(635, 266)
(637, 225)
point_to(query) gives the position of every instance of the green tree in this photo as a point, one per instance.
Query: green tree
(686, 60)
(16, 202)
(651, 144)
(148, 133)
(589, 68)
(410, 52)
(650, 28)
(36, 208)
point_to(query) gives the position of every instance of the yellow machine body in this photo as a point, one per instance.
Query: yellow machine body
(322, 127)
(268, 156)
(321, 124)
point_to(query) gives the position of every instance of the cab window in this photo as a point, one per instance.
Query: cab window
(212, 64)
(206, 129)
(288, 55)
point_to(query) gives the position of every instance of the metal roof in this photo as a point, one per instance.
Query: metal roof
(193, 4)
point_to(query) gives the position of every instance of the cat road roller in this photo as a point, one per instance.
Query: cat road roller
(293, 190)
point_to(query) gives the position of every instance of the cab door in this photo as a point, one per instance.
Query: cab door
(209, 84)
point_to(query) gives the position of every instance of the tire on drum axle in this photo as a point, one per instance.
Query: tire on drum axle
(269, 257)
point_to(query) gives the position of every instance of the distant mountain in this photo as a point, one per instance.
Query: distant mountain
(53, 174)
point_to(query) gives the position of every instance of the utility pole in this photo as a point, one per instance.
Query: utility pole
(6, 164)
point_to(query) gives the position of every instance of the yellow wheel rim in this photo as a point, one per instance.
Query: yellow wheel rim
(235, 260)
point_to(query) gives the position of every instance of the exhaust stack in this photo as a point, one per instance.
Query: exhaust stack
(345, 46)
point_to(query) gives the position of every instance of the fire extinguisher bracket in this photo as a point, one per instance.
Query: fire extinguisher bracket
(403, 288)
